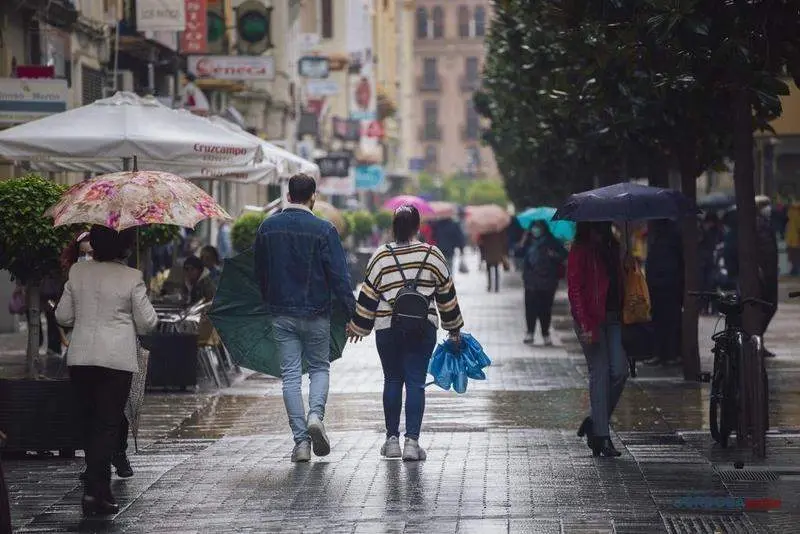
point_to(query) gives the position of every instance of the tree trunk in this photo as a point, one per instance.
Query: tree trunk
(33, 291)
(659, 173)
(689, 331)
(745, 200)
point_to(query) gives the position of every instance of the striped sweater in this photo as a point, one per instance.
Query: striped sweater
(384, 279)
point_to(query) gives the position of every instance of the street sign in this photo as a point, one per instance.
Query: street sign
(28, 100)
(333, 166)
(369, 177)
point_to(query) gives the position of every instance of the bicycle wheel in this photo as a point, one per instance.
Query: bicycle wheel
(722, 405)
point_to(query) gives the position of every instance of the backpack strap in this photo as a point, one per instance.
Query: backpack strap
(397, 261)
(421, 267)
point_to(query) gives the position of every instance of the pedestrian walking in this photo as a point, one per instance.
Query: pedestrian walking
(406, 282)
(595, 285)
(710, 237)
(494, 248)
(449, 238)
(768, 264)
(106, 304)
(543, 259)
(793, 237)
(300, 265)
(665, 275)
(212, 262)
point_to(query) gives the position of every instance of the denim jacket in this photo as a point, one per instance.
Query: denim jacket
(301, 264)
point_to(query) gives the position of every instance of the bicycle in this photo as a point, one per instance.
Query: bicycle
(731, 394)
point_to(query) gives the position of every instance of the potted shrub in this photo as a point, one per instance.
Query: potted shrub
(243, 233)
(35, 414)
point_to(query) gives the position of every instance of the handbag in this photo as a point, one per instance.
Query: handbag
(636, 303)
(17, 304)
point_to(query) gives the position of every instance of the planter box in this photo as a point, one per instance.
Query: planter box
(39, 415)
(172, 362)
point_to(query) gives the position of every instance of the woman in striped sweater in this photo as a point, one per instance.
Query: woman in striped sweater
(405, 354)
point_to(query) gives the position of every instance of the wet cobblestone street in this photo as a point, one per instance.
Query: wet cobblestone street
(504, 457)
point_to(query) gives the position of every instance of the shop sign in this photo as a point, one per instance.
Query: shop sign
(331, 186)
(334, 166)
(314, 67)
(28, 100)
(369, 177)
(346, 129)
(322, 88)
(195, 33)
(160, 15)
(374, 130)
(232, 67)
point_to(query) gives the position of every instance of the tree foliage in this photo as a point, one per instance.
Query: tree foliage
(484, 192)
(29, 244)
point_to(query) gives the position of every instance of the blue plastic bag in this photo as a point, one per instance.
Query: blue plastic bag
(452, 366)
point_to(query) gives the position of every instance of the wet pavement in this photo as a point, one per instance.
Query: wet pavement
(501, 458)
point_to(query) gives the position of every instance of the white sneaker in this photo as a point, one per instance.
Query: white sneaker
(391, 448)
(412, 452)
(548, 342)
(528, 339)
(322, 447)
(302, 452)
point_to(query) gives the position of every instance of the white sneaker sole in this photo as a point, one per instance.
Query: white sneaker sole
(319, 440)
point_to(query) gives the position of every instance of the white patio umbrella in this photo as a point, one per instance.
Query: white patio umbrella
(98, 136)
(285, 163)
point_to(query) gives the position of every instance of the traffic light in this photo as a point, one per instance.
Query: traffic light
(253, 28)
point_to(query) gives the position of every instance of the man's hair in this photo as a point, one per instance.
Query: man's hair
(301, 188)
(193, 261)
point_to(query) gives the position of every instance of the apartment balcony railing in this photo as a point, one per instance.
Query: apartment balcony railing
(430, 133)
(429, 85)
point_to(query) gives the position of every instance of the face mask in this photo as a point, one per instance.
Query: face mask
(84, 257)
(537, 232)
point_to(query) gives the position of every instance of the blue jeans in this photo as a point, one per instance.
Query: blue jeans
(404, 358)
(303, 340)
(608, 372)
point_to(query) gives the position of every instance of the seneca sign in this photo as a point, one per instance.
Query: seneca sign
(233, 67)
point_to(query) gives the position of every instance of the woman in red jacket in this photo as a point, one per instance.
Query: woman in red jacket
(594, 279)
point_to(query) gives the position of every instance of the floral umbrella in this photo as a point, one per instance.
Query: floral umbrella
(486, 219)
(443, 210)
(126, 199)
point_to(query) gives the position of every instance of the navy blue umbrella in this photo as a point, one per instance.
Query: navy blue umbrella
(624, 202)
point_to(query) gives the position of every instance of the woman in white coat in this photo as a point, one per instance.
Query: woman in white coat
(105, 303)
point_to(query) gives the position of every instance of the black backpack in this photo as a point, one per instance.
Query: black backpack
(410, 308)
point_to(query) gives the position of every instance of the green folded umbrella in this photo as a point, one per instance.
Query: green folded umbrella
(241, 319)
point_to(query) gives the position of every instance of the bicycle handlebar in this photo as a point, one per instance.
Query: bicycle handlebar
(717, 295)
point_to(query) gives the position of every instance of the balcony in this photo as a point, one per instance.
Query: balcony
(430, 132)
(469, 85)
(429, 85)
(60, 14)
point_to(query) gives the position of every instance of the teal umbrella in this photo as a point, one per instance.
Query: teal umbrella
(563, 230)
(242, 322)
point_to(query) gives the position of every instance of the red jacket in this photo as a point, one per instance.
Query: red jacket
(587, 283)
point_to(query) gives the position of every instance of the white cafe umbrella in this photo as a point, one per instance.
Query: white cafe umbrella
(285, 163)
(97, 136)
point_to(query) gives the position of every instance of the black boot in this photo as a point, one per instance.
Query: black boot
(602, 446)
(123, 465)
(97, 506)
(586, 428)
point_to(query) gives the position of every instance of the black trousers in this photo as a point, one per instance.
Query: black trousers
(667, 306)
(496, 270)
(101, 394)
(539, 307)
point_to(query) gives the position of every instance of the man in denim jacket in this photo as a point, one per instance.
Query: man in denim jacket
(301, 266)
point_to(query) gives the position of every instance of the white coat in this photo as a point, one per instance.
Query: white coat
(106, 303)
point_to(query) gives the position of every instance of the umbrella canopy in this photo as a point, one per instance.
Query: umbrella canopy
(91, 137)
(242, 322)
(136, 396)
(624, 202)
(333, 215)
(127, 199)
(443, 210)
(717, 201)
(486, 219)
(563, 230)
(277, 163)
(422, 206)
(451, 366)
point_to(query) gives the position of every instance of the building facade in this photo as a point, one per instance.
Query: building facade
(448, 61)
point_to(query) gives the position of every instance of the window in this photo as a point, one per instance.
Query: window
(430, 76)
(422, 23)
(326, 12)
(438, 22)
(430, 158)
(480, 21)
(431, 114)
(471, 69)
(463, 21)
(473, 127)
(91, 85)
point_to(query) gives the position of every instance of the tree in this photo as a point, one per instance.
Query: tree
(486, 192)
(29, 244)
